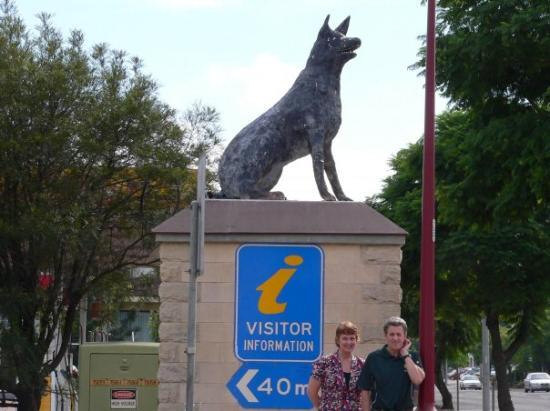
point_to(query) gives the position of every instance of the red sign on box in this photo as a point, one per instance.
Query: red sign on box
(124, 398)
(123, 394)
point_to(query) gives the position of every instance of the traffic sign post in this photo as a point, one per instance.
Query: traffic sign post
(279, 303)
(271, 385)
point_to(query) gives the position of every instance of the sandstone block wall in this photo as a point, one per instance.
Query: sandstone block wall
(362, 284)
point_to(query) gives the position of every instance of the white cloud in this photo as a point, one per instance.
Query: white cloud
(256, 86)
(194, 4)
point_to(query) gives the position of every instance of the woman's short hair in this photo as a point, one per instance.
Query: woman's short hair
(346, 328)
(395, 322)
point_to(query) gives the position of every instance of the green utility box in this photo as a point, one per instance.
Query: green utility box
(118, 376)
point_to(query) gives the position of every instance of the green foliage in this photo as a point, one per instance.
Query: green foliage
(492, 169)
(400, 200)
(502, 175)
(512, 260)
(491, 53)
(535, 354)
(90, 161)
(493, 239)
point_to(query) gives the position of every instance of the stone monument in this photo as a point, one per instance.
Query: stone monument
(278, 275)
(304, 121)
(360, 273)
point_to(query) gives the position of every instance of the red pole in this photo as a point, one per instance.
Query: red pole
(427, 247)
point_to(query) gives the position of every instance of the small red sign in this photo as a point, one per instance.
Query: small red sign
(123, 394)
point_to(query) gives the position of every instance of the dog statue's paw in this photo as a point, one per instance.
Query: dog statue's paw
(275, 195)
(343, 197)
(328, 197)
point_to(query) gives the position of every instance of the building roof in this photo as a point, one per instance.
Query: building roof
(284, 217)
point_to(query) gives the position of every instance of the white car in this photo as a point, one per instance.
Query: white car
(469, 382)
(537, 381)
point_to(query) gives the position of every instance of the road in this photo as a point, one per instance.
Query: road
(470, 400)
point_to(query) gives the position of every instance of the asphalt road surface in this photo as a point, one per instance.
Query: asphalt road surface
(470, 400)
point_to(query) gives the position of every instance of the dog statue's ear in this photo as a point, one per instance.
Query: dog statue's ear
(343, 27)
(325, 29)
(325, 24)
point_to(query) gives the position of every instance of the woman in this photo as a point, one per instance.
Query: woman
(336, 374)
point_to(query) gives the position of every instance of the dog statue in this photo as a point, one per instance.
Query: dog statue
(304, 121)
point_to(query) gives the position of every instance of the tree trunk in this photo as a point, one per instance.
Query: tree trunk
(446, 396)
(499, 361)
(29, 399)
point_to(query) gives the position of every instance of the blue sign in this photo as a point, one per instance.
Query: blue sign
(279, 303)
(271, 385)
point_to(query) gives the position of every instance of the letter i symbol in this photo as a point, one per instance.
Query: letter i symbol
(272, 287)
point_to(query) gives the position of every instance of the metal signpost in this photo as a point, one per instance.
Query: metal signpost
(485, 367)
(278, 323)
(457, 389)
(196, 250)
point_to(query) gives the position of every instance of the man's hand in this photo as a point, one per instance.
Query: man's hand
(405, 349)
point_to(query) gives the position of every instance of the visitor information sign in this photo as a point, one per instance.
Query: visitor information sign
(279, 303)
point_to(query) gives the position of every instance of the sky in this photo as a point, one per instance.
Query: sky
(241, 56)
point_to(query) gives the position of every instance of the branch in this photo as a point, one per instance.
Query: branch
(65, 338)
(520, 336)
(120, 263)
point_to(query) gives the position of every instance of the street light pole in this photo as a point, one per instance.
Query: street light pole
(427, 247)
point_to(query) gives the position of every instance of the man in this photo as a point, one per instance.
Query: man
(389, 372)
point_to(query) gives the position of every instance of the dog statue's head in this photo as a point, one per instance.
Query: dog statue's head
(332, 48)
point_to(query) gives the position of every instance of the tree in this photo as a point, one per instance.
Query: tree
(492, 62)
(484, 266)
(90, 160)
(535, 354)
(457, 327)
(493, 53)
(505, 273)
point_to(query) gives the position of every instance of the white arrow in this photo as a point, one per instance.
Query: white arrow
(242, 385)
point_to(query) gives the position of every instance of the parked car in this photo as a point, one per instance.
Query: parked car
(537, 381)
(8, 401)
(474, 371)
(469, 382)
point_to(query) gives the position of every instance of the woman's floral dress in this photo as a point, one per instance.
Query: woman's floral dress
(335, 393)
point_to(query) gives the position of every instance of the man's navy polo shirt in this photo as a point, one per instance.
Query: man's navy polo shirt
(387, 379)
